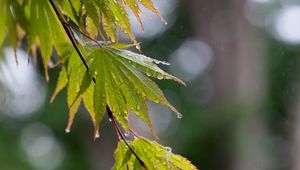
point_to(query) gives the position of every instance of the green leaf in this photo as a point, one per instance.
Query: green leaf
(153, 155)
(108, 19)
(89, 105)
(70, 8)
(134, 100)
(122, 151)
(3, 13)
(123, 86)
(99, 96)
(121, 17)
(91, 28)
(75, 70)
(133, 5)
(44, 31)
(61, 83)
(121, 46)
(146, 87)
(114, 95)
(149, 4)
(11, 27)
(92, 12)
(146, 64)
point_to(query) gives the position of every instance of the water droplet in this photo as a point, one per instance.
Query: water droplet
(148, 74)
(138, 47)
(97, 135)
(159, 76)
(179, 116)
(161, 62)
(138, 107)
(110, 119)
(166, 23)
(127, 134)
(67, 130)
(169, 151)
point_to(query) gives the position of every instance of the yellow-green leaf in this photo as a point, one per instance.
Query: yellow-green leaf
(121, 17)
(153, 155)
(3, 8)
(61, 83)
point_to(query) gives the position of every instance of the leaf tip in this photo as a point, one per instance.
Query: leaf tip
(53, 97)
(96, 134)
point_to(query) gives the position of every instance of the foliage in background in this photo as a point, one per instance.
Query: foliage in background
(105, 76)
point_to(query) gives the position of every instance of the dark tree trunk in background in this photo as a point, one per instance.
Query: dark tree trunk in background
(295, 134)
(238, 75)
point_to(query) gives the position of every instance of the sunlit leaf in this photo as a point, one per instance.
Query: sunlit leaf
(61, 83)
(3, 13)
(70, 8)
(146, 64)
(146, 86)
(153, 155)
(121, 17)
(149, 4)
(93, 13)
(122, 155)
(91, 28)
(133, 5)
(75, 72)
(135, 101)
(108, 19)
(123, 87)
(99, 75)
(99, 96)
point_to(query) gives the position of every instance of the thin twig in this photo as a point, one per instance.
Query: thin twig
(82, 33)
(111, 116)
(134, 133)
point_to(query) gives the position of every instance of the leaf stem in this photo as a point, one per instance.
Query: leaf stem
(120, 135)
(82, 33)
(114, 123)
(134, 133)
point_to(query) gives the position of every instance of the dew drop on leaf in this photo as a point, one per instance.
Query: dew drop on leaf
(160, 77)
(156, 100)
(97, 135)
(127, 134)
(179, 116)
(138, 47)
(67, 130)
(169, 151)
(110, 119)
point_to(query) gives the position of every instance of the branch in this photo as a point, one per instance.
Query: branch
(109, 112)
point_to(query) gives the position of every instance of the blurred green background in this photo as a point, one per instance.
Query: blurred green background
(241, 106)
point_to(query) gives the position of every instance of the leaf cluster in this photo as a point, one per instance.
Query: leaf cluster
(100, 75)
(153, 155)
